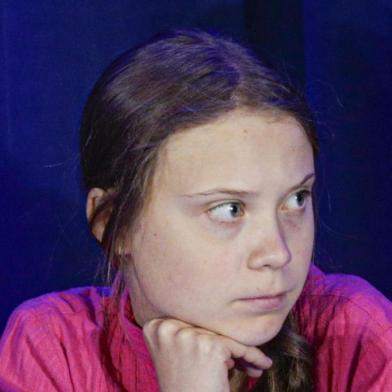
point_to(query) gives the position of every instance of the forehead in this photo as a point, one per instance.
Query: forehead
(239, 149)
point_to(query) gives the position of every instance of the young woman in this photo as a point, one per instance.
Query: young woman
(199, 167)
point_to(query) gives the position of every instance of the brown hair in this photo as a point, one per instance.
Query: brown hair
(174, 82)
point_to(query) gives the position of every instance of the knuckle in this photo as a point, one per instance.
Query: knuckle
(186, 334)
(255, 353)
(206, 341)
(149, 331)
(150, 326)
(166, 329)
(209, 344)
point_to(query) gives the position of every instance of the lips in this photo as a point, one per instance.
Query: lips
(265, 296)
(265, 303)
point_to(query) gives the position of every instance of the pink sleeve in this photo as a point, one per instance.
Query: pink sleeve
(31, 355)
(357, 361)
(374, 372)
(349, 325)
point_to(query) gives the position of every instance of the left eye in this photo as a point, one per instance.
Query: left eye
(227, 212)
(297, 201)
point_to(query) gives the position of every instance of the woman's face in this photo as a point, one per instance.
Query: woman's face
(230, 220)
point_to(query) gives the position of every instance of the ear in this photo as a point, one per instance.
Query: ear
(95, 198)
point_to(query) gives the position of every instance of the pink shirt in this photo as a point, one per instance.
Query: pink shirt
(59, 341)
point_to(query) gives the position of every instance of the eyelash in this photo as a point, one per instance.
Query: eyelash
(304, 193)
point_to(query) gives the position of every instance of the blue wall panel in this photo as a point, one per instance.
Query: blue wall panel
(51, 54)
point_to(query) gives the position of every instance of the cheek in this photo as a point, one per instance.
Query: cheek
(300, 232)
(300, 239)
(173, 274)
(171, 260)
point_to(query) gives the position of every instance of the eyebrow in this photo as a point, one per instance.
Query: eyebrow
(305, 179)
(239, 193)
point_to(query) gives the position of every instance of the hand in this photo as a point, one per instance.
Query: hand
(192, 359)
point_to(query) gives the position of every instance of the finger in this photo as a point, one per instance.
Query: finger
(164, 325)
(251, 357)
(154, 323)
(248, 368)
(160, 330)
(230, 363)
(199, 331)
(255, 373)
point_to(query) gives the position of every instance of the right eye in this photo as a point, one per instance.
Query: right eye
(227, 212)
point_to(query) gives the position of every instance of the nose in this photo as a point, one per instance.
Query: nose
(269, 247)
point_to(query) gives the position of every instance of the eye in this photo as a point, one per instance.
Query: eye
(227, 212)
(297, 201)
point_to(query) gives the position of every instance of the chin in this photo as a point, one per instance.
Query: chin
(259, 338)
(258, 334)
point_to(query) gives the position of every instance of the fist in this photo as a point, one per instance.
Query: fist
(188, 358)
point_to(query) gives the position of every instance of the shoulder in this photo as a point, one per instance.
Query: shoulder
(78, 305)
(56, 322)
(341, 301)
(349, 325)
(53, 340)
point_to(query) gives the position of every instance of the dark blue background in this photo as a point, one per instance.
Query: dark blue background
(53, 51)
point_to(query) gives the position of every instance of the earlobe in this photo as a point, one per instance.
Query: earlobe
(95, 198)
